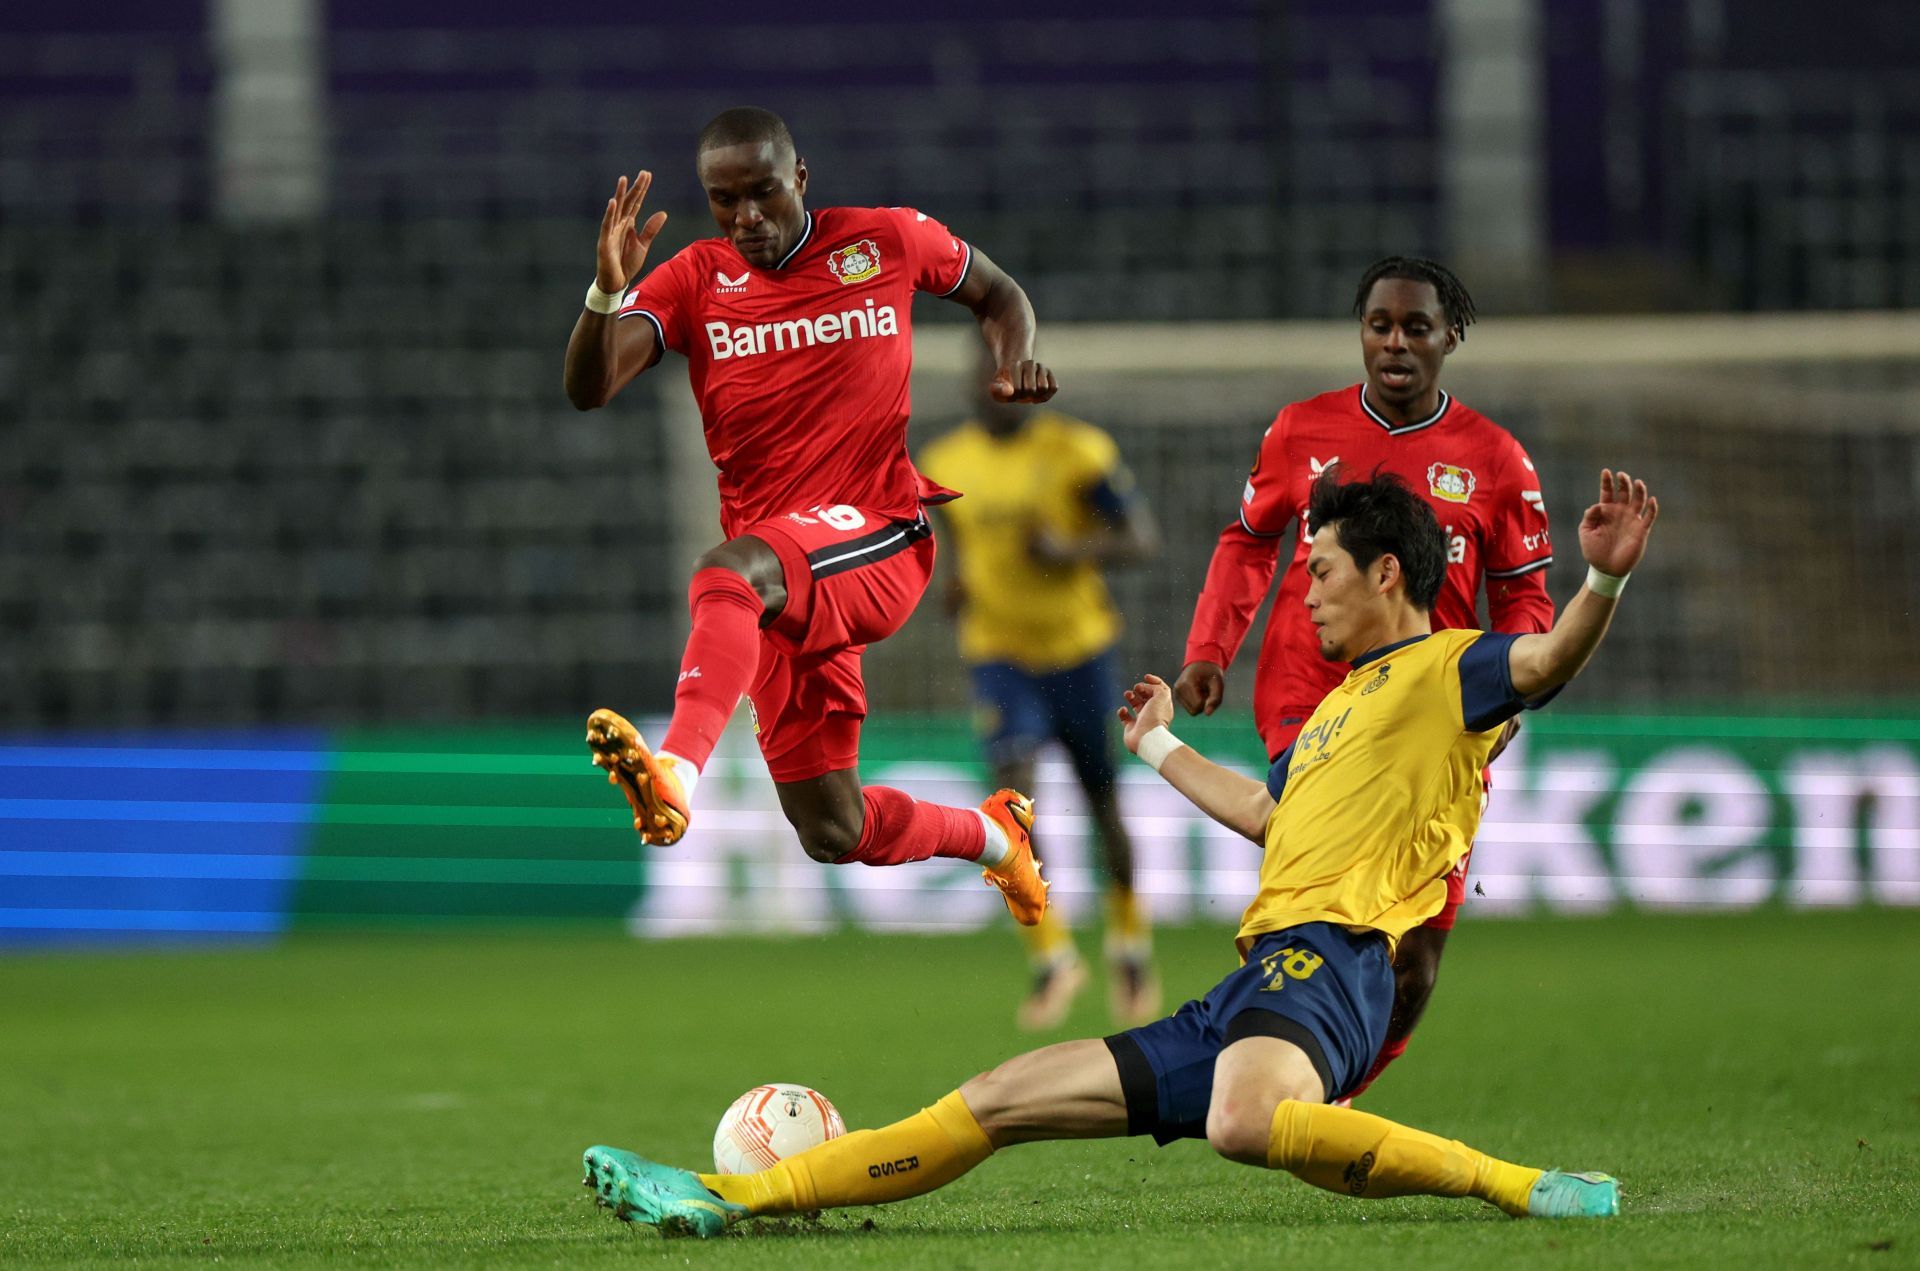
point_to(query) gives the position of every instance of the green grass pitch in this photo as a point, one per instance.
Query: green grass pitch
(1754, 1080)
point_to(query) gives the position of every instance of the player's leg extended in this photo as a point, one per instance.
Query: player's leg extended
(1266, 1110)
(737, 588)
(851, 579)
(844, 823)
(1068, 1091)
(1303, 1016)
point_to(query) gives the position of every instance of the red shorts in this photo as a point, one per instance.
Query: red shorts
(853, 576)
(1289, 728)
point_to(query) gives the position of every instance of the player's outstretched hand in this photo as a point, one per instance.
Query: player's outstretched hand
(1027, 381)
(1201, 687)
(623, 248)
(1149, 705)
(1613, 533)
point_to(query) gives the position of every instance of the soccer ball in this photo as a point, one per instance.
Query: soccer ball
(767, 1124)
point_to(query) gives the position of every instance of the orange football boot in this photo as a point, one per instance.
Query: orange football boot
(1018, 878)
(652, 787)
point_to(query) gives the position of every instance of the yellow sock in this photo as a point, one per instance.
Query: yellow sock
(1129, 933)
(1359, 1154)
(1049, 941)
(929, 1149)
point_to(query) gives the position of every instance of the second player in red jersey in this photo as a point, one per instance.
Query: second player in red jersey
(1481, 486)
(1480, 483)
(797, 333)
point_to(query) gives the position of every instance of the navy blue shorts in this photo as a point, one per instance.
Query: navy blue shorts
(1019, 710)
(1327, 990)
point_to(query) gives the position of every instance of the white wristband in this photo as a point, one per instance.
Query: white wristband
(1157, 745)
(1607, 585)
(602, 301)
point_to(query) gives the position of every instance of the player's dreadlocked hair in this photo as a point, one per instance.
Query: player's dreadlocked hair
(1453, 296)
(1382, 515)
(745, 126)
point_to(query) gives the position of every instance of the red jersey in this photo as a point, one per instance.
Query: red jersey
(1475, 476)
(801, 370)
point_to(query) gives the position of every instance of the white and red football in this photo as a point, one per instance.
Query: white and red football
(769, 1123)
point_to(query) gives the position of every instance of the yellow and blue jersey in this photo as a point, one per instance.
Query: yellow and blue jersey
(1380, 795)
(1056, 473)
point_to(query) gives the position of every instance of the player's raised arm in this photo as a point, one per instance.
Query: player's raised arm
(1239, 803)
(1613, 538)
(1007, 324)
(604, 354)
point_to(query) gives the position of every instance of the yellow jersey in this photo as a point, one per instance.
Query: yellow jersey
(1380, 795)
(1056, 472)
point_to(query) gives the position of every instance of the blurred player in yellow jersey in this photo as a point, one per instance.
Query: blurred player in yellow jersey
(1048, 506)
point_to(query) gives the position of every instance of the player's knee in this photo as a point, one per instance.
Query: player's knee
(1239, 1131)
(753, 561)
(720, 558)
(828, 839)
(990, 1097)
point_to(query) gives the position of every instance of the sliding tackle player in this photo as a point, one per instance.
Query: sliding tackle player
(1362, 818)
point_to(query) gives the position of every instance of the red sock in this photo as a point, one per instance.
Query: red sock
(722, 654)
(1388, 1053)
(899, 828)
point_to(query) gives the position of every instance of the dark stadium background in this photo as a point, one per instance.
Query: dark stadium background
(287, 285)
(309, 573)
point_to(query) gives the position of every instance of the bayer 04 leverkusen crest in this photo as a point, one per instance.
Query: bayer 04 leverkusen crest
(855, 262)
(1449, 482)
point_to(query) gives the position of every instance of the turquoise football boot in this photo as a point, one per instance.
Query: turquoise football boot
(639, 1190)
(1564, 1195)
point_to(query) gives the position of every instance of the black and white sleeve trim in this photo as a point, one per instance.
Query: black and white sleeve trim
(1258, 533)
(966, 267)
(659, 332)
(1518, 570)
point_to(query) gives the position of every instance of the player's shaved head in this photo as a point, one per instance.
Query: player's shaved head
(746, 126)
(756, 184)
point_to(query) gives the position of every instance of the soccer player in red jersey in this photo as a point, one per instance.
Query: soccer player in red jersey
(1482, 488)
(796, 329)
